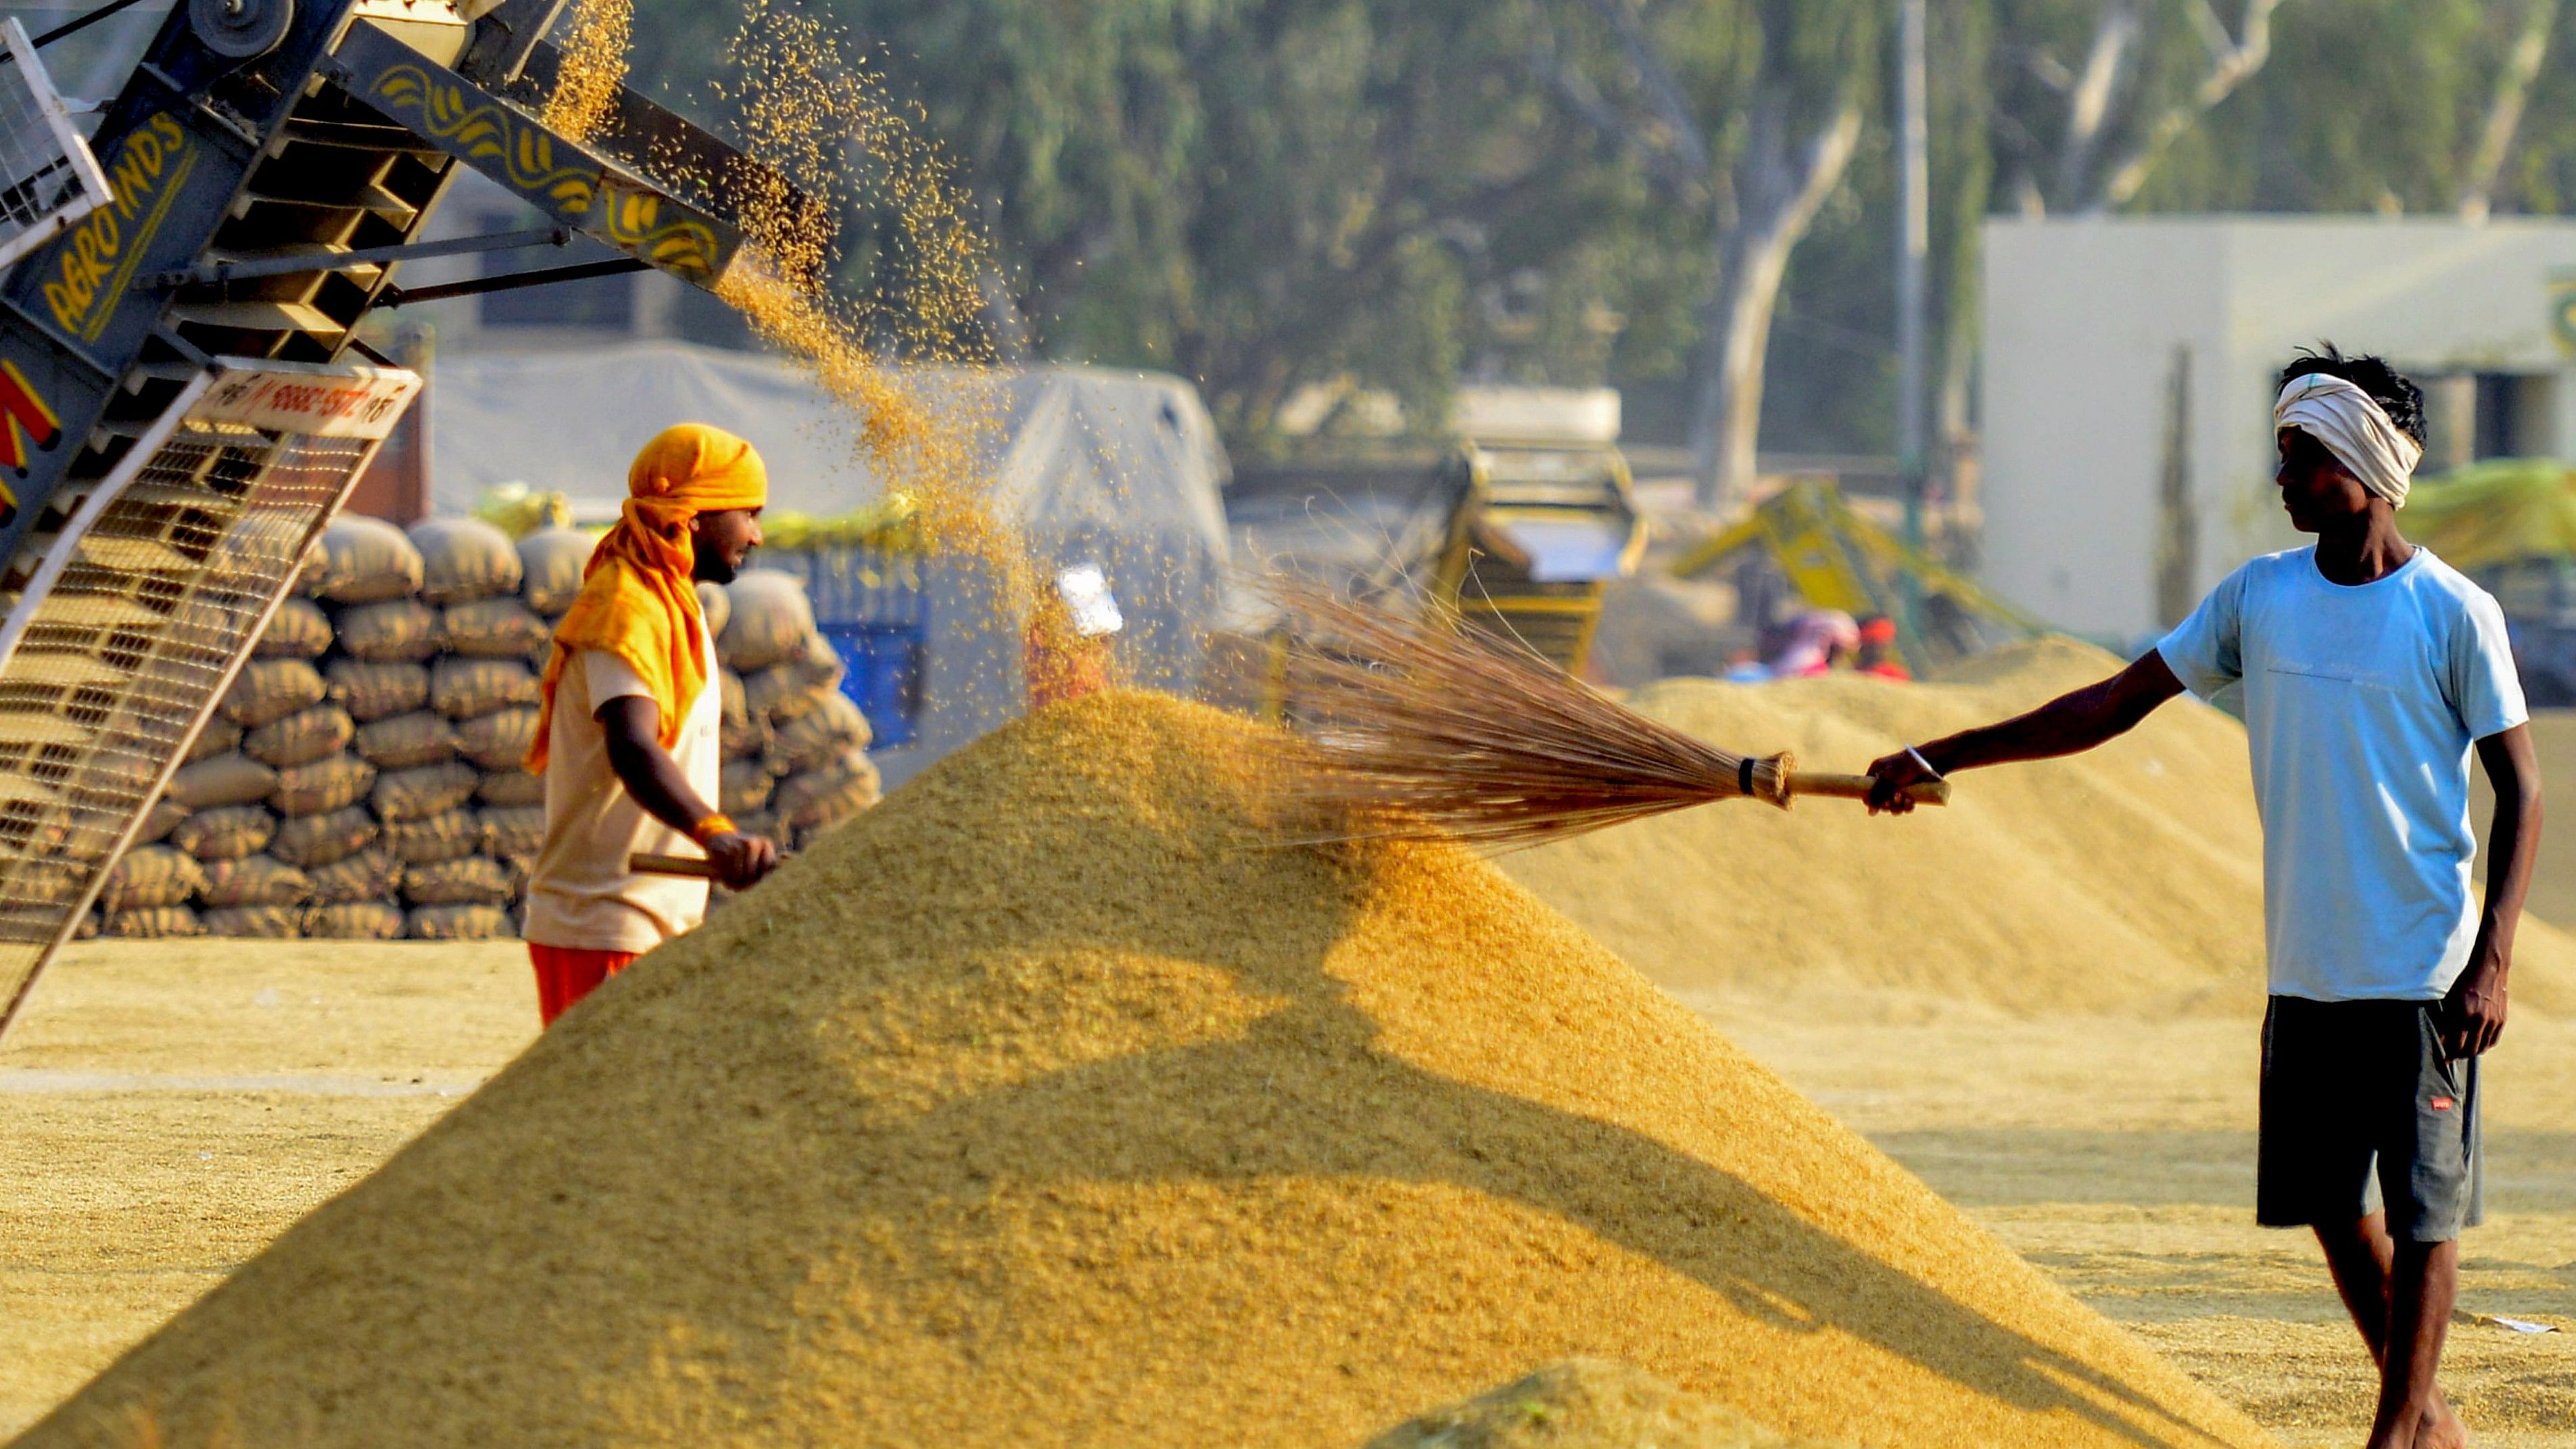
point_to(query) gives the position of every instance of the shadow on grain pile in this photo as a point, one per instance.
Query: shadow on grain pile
(1047, 1105)
(1586, 1404)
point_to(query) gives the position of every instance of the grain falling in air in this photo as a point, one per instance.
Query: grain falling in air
(594, 66)
(911, 363)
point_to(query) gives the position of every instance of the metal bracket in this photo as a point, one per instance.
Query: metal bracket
(188, 351)
(232, 126)
(503, 35)
(75, 27)
(205, 272)
(32, 187)
(413, 296)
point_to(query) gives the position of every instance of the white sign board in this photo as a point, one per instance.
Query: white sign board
(1085, 591)
(341, 401)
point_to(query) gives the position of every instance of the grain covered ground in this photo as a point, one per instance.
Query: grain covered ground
(168, 1108)
(2115, 1154)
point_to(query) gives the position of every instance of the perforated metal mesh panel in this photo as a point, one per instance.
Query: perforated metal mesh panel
(48, 178)
(148, 602)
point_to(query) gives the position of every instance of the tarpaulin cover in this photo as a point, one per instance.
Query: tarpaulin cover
(1121, 469)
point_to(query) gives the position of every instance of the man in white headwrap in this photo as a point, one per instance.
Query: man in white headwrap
(2335, 413)
(2371, 671)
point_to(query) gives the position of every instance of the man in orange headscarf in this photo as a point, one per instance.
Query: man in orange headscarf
(629, 739)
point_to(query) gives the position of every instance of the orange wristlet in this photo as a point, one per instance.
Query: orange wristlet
(711, 827)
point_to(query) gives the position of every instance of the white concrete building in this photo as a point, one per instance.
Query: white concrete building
(2129, 365)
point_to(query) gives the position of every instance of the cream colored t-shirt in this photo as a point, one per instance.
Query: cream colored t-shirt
(581, 894)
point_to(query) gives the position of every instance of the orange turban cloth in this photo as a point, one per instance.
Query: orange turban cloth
(638, 601)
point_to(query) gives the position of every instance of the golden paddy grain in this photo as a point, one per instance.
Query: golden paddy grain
(594, 67)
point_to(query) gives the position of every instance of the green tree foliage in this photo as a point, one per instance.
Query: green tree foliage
(2367, 105)
(1261, 194)
(1404, 194)
(2385, 106)
(1752, 109)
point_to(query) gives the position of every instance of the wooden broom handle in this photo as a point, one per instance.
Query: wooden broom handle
(693, 868)
(1856, 787)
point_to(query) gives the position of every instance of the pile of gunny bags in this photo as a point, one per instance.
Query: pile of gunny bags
(363, 779)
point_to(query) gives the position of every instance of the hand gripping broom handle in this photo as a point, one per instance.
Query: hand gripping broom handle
(1779, 780)
(692, 868)
(1856, 787)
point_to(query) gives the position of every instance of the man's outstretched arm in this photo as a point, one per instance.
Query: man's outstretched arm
(2067, 725)
(2476, 1006)
(633, 726)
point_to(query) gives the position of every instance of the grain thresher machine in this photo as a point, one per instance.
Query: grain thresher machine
(184, 399)
(1514, 536)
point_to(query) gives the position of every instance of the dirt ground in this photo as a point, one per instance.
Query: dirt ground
(171, 1107)
(2119, 1156)
(168, 1108)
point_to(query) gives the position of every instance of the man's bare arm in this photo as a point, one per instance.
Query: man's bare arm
(633, 726)
(2475, 1010)
(2069, 724)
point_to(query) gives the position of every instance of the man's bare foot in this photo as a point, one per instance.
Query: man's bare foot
(2434, 1428)
(2441, 1428)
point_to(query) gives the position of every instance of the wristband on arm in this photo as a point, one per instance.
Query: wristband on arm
(1917, 757)
(709, 828)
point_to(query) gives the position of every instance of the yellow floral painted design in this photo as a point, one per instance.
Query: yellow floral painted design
(490, 133)
(634, 220)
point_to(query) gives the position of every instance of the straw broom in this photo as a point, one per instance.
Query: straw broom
(1424, 730)
(1416, 730)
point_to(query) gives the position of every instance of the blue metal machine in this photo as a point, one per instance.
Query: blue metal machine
(270, 163)
(873, 606)
(180, 414)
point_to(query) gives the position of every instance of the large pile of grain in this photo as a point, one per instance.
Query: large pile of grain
(2127, 879)
(1049, 1104)
(362, 779)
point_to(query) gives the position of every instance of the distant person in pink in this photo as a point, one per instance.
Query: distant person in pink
(1818, 640)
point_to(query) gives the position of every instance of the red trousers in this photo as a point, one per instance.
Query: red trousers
(566, 974)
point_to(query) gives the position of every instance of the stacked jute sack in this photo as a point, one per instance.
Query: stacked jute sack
(795, 747)
(363, 777)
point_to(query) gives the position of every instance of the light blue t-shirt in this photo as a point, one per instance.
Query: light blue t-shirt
(2361, 707)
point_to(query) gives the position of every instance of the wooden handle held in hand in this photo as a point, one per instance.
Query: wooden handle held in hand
(1856, 787)
(693, 868)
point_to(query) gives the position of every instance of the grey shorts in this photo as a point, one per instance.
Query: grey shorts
(2361, 1109)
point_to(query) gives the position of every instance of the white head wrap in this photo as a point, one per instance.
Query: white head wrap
(2355, 429)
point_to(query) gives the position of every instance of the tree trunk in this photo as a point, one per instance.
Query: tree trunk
(2504, 110)
(2089, 101)
(2232, 62)
(1777, 203)
(1006, 329)
(1727, 421)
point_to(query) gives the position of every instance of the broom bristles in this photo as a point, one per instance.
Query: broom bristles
(1423, 729)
